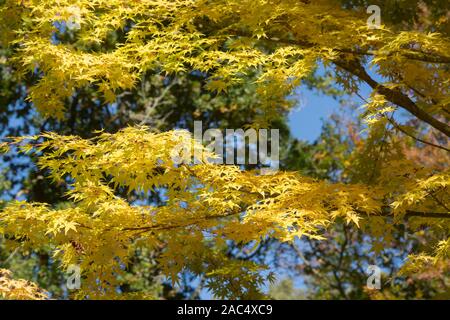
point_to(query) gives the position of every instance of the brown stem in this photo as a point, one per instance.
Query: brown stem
(394, 96)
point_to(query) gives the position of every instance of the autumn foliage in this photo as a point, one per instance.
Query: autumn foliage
(386, 180)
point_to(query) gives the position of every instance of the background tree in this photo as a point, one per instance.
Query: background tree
(225, 43)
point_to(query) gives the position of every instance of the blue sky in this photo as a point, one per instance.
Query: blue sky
(305, 120)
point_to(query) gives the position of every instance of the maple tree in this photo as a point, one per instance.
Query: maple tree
(161, 102)
(337, 267)
(207, 205)
(19, 289)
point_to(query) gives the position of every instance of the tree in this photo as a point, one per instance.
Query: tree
(210, 205)
(161, 102)
(337, 268)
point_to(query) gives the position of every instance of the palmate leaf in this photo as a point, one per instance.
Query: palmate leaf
(207, 204)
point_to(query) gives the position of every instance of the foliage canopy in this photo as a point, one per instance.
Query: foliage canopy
(207, 206)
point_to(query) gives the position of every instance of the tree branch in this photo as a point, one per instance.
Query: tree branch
(398, 127)
(355, 68)
(387, 212)
(394, 96)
